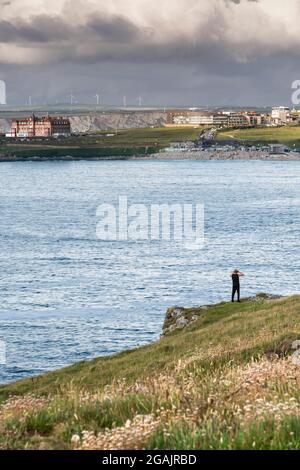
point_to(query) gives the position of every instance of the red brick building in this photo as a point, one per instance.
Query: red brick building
(45, 126)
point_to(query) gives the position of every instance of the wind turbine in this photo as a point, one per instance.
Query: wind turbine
(72, 98)
(97, 99)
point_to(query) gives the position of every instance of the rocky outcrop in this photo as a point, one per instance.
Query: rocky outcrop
(4, 126)
(286, 348)
(295, 358)
(112, 120)
(178, 318)
(265, 296)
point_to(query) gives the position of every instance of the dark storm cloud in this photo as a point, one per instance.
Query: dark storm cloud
(114, 28)
(115, 37)
(239, 1)
(41, 28)
(47, 29)
(177, 50)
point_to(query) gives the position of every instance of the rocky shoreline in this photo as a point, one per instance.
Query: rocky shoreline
(200, 155)
(225, 155)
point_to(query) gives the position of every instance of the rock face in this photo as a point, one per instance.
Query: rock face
(106, 120)
(178, 318)
(296, 345)
(4, 125)
(265, 296)
(287, 348)
(295, 358)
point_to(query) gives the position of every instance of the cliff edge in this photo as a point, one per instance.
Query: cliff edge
(226, 376)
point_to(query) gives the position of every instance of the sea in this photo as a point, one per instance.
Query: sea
(67, 295)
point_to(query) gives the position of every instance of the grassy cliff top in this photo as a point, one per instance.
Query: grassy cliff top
(287, 135)
(226, 381)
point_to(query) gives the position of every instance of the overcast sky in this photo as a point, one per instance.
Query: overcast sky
(194, 52)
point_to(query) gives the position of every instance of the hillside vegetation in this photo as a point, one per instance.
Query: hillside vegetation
(288, 135)
(126, 142)
(226, 381)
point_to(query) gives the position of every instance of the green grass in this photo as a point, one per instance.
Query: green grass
(261, 436)
(288, 135)
(193, 386)
(158, 136)
(89, 152)
(124, 143)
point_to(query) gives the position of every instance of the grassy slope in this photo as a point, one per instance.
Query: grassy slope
(125, 142)
(216, 384)
(288, 135)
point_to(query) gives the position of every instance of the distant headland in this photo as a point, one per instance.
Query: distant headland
(151, 134)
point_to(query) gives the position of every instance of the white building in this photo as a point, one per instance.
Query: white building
(280, 115)
(2, 92)
(201, 120)
(193, 119)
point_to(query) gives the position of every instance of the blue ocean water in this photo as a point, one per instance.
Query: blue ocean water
(66, 296)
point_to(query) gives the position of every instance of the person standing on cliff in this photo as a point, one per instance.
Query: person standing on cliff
(235, 276)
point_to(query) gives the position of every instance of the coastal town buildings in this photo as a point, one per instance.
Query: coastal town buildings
(220, 120)
(217, 119)
(236, 119)
(194, 119)
(45, 126)
(254, 119)
(280, 115)
(295, 116)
